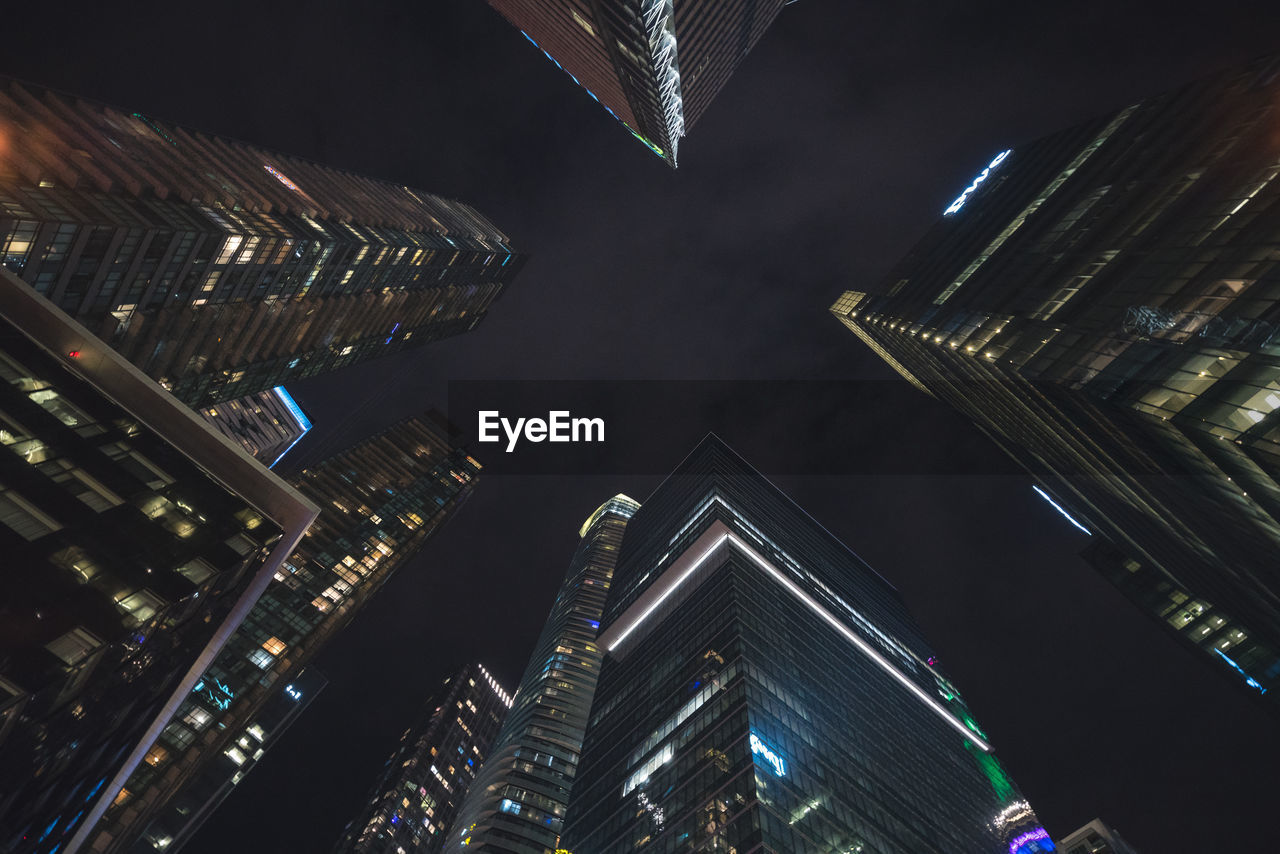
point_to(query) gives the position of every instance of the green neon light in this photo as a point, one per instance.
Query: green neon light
(652, 147)
(153, 126)
(1000, 782)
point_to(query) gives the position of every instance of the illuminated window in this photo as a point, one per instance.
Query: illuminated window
(274, 645)
(262, 658)
(142, 606)
(75, 646)
(229, 249)
(197, 718)
(582, 22)
(156, 755)
(23, 517)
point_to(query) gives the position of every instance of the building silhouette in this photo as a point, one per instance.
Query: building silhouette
(1104, 303)
(654, 65)
(135, 540)
(764, 689)
(381, 500)
(266, 424)
(517, 804)
(222, 269)
(424, 781)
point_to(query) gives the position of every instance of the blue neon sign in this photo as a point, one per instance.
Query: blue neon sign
(1249, 680)
(221, 698)
(982, 176)
(759, 748)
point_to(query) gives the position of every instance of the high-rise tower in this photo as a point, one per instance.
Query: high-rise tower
(1104, 303)
(135, 539)
(380, 500)
(763, 689)
(221, 269)
(266, 424)
(424, 781)
(518, 802)
(655, 65)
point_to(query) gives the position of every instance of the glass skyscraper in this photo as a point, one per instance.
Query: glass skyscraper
(518, 802)
(222, 269)
(763, 689)
(134, 541)
(381, 500)
(1104, 303)
(655, 65)
(424, 781)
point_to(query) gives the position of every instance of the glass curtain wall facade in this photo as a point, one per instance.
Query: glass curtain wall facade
(380, 500)
(763, 689)
(518, 802)
(205, 791)
(134, 540)
(424, 781)
(221, 269)
(654, 65)
(1105, 304)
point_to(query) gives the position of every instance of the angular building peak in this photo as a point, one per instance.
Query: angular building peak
(764, 690)
(654, 65)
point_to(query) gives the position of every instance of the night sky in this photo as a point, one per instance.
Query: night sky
(840, 139)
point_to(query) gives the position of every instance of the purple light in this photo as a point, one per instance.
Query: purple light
(1030, 836)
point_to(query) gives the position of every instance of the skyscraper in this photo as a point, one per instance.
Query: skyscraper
(135, 540)
(655, 65)
(763, 689)
(221, 269)
(266, 424)
(380, 500)
(1104, 303)
(425, 780)
(518, 802)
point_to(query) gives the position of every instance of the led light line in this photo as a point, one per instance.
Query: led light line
(1058, 507)
(683, 577)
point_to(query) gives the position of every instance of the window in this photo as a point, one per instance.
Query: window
(23, 517)
(142, 606)
(262, 658)
(74, 646)
(197, 571)
(197, 718)
(76, 560)
(65, 411)
(82, 485)
(274, 645)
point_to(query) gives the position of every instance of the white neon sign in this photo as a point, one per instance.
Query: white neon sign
(982, 176)
(759, 748)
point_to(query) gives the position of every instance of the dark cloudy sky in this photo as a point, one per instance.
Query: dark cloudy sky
(840, 139)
